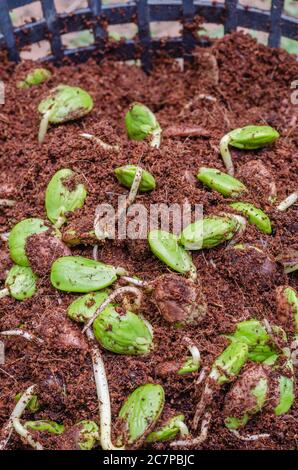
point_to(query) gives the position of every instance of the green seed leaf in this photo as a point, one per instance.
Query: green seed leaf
(84, 307)
(254, 216)
(254, 334)
(228, 364)
(79, 274)
(88, 435)
(18, 236)
(65, 103)
(141, 123)
(33, 404)
(20, 282)
(188, 367)
(221, 182)
(122, 333)
(36, 77)
(141, 410)
(252, 137)
(166, 432)
(251, 332)
(60, 199)
(45, 425)
(165, 246)
(125, 175)
(286, 390)
(208, 232)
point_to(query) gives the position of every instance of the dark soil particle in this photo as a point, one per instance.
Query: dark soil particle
(237, 83)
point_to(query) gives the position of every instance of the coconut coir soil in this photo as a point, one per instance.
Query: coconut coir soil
(250, 84)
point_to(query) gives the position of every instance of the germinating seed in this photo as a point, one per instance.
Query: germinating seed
(18, 237)
(165, 246)
(65, 103)
(141, 124)
(141, 411)
(225, 184)
(126, 174)
(122, 333)
(20, 283)
(254, 216)
(36, 77)
(60, 199)
(250, 137)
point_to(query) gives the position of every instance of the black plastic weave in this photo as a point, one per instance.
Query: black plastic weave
(231, 14)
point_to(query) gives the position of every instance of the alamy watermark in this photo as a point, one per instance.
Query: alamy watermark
(136, 221)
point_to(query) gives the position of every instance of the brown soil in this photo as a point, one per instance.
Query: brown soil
(254, 86)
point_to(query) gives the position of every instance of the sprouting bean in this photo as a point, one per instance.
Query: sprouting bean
(122, 333)
(254, 216)
(285, 392)
(79, 274)
(33, 405)
(18, 236)
(249, 137)
(141, 411)
(60, 199)
(253, 333)
(87, 436)
(125, 175)
(169, 430)
(36, 77)
(45, 425)
(20, 283)
(229, 363)
(165, 246)
(141, 123)
(84, 307)
(225, 184)
(64, 103)
(208, 232)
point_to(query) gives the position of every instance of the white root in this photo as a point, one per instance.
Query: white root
(4, 293)
(25, 434)
(7, 202)
(43, 127)
(133, 191)
(288, 202)
(206, 396)
(201, 376)
(272, 193)
(17, 413)
(95, 253)
(103, 394)
(118, 292)
(4, 236)
(101, 143)
(198, 440)
(23, 334)
(226, 155)
(156, 139)
(192, 274)
(251, 437)
(183, 429)
(134, 281)
(194, 351)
